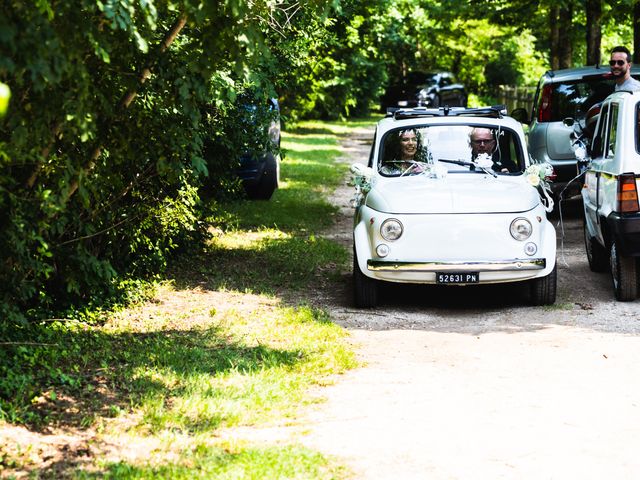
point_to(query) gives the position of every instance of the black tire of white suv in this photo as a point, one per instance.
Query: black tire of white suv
(597, 255)
(623, 275)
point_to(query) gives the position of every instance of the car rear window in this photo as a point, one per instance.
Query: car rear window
(571, 99)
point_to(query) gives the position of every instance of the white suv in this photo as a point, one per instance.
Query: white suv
(610, 194)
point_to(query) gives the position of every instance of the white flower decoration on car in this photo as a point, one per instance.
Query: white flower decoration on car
(533, 179)
(361, 179)
(438, 171)
(483, 160)
(537, 175)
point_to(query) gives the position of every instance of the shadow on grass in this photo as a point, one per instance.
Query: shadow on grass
(117, 370)
(268, 267)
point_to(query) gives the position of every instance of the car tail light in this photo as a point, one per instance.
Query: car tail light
(544, 107)
(627, 193)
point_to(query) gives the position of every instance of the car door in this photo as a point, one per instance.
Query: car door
(600, 180)
(592, 175)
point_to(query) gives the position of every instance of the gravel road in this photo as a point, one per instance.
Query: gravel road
(473, 383)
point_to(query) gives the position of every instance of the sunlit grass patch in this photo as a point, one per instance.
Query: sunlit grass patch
(268, 261)
(237, 372)
(338, 128)
(254, 463)
(247, 239)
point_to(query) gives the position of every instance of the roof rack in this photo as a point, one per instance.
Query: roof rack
(495, 111)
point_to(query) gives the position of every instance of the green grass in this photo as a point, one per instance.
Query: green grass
(205, 462)
(221, 346)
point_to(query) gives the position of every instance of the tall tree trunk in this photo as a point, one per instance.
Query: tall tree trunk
(594, 31)
(636, 32)
(565, 46)
(554, 36)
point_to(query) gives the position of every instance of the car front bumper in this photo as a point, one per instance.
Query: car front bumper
(495, 271)
(517, 265)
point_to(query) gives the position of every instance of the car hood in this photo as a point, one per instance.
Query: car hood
(456, 193)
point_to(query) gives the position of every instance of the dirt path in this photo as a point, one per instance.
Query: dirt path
(473, 383)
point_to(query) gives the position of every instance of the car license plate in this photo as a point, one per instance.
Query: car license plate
(457, 278)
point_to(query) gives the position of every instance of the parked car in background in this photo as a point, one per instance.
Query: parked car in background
(260, 167)
(426, 90)
(610, 194)
(462, 212)
(562, 94)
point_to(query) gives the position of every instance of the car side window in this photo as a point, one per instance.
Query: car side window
(613, 130)
(598, 139)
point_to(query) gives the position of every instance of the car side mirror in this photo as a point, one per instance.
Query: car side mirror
(521, 115)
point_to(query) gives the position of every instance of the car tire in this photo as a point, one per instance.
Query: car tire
(269, 181)
(597, 255)
(365, 289)
(543, 290)
(623, 275)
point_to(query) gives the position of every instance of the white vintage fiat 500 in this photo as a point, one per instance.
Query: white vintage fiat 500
(450, 197)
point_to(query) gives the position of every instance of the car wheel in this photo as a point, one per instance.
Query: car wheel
(623, 275)
(596, 253)
(543, 290)
(269, 181)
(365, 289)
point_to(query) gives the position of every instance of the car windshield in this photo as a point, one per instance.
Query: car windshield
(452, 148)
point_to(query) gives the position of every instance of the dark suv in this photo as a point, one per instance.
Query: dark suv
(421, 89)
(260, 169)
(562, 94)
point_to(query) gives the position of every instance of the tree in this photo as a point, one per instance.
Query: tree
(594, 31)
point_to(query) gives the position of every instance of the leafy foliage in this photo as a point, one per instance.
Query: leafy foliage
(97, 187)
(124, 115)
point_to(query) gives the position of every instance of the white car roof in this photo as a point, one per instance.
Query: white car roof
(489, 116)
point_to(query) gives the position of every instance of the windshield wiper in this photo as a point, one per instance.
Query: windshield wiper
(471, 166)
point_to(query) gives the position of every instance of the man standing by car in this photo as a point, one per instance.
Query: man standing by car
(620, 63)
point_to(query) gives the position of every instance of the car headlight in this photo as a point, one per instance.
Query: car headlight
(391, 229)
(520, 229)
(382, 250)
